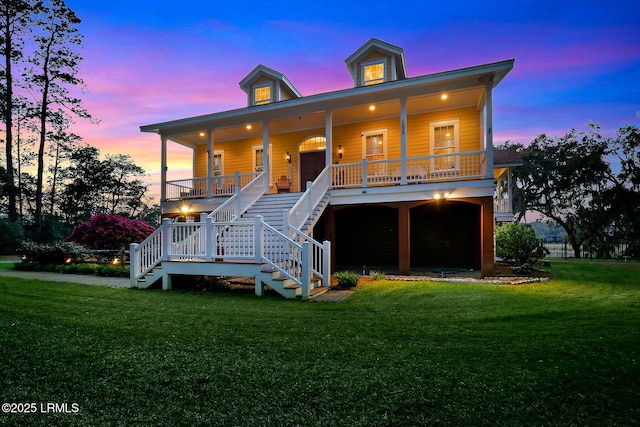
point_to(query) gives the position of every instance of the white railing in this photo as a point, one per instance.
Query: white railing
(233, 241)
(305, 206)
(423, 169)
(320, 255)
(194, 188)
(502, 205)
(145, 256)
(243, 198)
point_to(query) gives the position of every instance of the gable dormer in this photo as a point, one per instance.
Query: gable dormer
(264, 85)
(376, 62)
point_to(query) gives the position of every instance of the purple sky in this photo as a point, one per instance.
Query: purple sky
(147, 62)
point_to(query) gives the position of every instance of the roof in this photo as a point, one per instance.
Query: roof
(260, 70)
(506, 157)
(376, 44)
(429, 83)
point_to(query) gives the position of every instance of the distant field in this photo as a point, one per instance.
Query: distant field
(561, 352)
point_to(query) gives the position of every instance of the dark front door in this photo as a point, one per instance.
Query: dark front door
(311, 164)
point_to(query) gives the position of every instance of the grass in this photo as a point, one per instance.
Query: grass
(563, 352)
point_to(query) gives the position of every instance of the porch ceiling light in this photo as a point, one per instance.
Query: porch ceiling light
(202, 134)
(248, 127)
(372, 107)
(444, 96)
(184, 209)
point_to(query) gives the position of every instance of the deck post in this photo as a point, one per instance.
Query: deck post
(258, 240)
(208, 237)
(133, 264)
(305, 279)
(403, 141)
(326, 264)
(365, 182)
(166, 239)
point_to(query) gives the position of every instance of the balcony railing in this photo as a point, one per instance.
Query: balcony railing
(423, 169)
(197, 188)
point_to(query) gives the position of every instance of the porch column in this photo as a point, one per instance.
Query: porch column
(403, 141)
(209, 163)
(487, 256)
(404, 239)
(328, 134)
(163, 168)
(489, 127)
(265, 154)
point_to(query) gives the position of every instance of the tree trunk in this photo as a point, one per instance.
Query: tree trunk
(11, 187)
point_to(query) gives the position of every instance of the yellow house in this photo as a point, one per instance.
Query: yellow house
(396, 173)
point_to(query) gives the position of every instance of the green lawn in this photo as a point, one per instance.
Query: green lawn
(563, 352)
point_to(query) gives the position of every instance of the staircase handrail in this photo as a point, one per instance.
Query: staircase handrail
(241, 200)
(305, 206)
(318, 261)
(288, 263)
(146, 255)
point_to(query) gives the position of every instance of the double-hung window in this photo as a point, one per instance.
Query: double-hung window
(374, 73)
(445, 144)
(374, 149)
(258, 160)
(263, 94)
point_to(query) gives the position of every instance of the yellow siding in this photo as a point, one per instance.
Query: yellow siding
(238, 154)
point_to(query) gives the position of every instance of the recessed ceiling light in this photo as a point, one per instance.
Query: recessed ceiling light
(444, 96)
(248, 127)
(372, 107)
(202, 134)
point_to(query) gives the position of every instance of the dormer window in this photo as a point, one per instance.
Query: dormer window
(262, 94)
(373, 73)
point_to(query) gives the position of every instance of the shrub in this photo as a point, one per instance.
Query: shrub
(104, 231)
(377, 275)
(347, 279)
(50, 253)
(518, 245)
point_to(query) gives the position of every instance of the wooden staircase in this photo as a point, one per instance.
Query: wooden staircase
(225, 249)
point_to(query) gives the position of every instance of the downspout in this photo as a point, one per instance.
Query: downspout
(163, 168)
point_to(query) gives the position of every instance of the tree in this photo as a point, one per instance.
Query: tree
(54, 69)
(563, 179)
(16, 17)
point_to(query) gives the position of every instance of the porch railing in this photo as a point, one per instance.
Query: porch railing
(423, 169)
(241, 200)
(305, 206)
(195, 188)
(232, 241)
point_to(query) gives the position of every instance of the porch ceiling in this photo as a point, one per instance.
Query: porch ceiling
(341, 115)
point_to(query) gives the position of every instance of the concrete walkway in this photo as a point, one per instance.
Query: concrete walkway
(114, 282)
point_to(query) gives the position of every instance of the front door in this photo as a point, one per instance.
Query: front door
(311, 165)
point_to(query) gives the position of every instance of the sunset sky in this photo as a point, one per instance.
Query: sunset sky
(147, 62)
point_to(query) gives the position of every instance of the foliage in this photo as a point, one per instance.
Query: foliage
(377, 275)
(347, 279)
(392, 354)
(50, 253)
(77, 268)
(11, 236)
(570, 180)
(104, 231)
(519, 245)
(112, 185)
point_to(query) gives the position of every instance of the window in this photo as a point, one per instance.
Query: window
(218, 163)
(258, 160)
(313, 143)
(262, 94)
(373, 73)
(445, 140)
(374, 149)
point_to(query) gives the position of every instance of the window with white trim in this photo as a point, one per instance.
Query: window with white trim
(218, 163)
(374, 149)
(258, 160)
(263, 94)
(374, 72)
(445, 144)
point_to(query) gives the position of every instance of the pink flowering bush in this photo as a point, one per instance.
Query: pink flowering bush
(104, 231)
